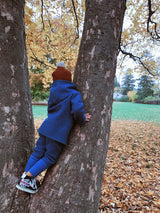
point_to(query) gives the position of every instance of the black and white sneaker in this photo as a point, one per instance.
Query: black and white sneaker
(28, 184)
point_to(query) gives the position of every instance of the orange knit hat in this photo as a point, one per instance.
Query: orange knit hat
(61, 73)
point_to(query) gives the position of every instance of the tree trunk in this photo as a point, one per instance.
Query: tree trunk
(73, 185)
(16, 122)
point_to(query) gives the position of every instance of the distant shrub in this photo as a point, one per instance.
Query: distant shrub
(124, 98)
(132, 95)
(39, 95)
(149, 98)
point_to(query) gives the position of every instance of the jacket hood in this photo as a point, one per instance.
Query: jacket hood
(65, 84)
(61, 89)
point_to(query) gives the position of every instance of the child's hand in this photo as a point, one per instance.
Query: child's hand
(88, 116)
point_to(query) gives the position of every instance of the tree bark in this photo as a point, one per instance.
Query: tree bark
(16, 121)
(74, 183)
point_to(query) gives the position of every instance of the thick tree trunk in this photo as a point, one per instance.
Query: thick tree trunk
(73, 185)
(16, 122)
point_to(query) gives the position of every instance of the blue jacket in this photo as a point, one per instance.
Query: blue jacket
(65, 107)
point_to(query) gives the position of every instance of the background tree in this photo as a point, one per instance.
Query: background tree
(53, 34)
(74, 184)
(138, 37)
(127, 83)
(47, 41)
(116, 82)
(117, 89)
(54, 31)
(145, 87)
(39, 92)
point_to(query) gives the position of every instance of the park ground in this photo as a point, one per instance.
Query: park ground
(132, 173)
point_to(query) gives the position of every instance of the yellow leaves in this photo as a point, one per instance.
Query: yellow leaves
(37, 2)
(131, 181)
(28, 11)
(135, 37)
(32, 28)
(57, 40)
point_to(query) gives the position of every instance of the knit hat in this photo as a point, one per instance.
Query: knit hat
(61, 73)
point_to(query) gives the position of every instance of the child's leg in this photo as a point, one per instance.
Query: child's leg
(53, 149)
(27, 183)
(38, 153)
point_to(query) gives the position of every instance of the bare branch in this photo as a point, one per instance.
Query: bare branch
(49, 22)
(77, 26)
(136, 59)
(35, 58)
(42, 4)
(154, 34)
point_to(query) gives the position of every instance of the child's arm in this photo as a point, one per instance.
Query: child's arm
(77, 110)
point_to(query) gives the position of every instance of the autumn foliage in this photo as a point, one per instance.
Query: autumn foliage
(51, 35)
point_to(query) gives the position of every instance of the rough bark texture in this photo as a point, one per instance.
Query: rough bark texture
(16, 122)
(73, 185)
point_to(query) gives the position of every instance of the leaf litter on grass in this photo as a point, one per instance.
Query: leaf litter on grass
(132, 174)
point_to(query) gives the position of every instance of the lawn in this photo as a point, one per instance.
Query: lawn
(39, 112)
(121, 111)
(137, 112)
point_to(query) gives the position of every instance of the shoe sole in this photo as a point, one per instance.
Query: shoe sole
(25, 189)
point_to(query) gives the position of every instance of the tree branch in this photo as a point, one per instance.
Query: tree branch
(49, 22)
(42, 4)
(35, 58)
(77, 26)
(136, 59)
(154, 34)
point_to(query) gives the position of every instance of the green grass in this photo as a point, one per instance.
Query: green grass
(138, 112)
(120, 111)
(39, 112)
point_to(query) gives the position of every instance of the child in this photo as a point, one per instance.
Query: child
(65, 107)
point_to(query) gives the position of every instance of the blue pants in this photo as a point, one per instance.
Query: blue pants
(45, 154)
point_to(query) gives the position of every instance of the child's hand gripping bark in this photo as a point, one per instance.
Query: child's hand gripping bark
(88, 117)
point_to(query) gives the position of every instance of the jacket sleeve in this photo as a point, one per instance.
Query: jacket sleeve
(77, 108)
(50, 99)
